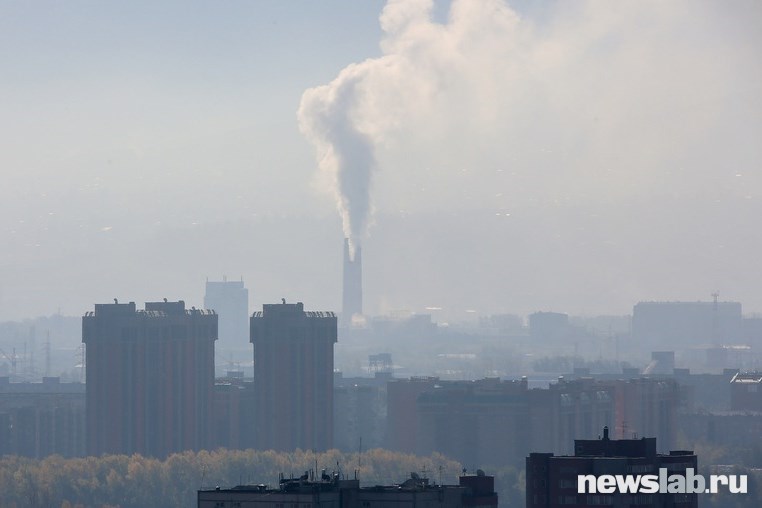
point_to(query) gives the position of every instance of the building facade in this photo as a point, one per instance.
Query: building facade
(746, 392)
(551, 480)
(41, 419)
(150, 378)
(293, 377)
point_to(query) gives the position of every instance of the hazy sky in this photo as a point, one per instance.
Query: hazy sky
(572, 156)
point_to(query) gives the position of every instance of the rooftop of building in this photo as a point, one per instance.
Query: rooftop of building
(310, 483)
(747, 378)
(47, 385)
(152, 309)
(289, 309)
(630, 448)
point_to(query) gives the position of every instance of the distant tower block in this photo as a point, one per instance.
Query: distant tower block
(230, 300)
(352, 294)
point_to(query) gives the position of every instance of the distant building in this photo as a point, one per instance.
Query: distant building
(230, 301)
(359, 411)
(548, 326)
(686, 324)
(647, 407)
(746, 392)
(41, 419)
(731, 429)
(293, 377)
(480, 422)
(234, 401)
(401, 397)
(150, 378)
(569, 410)
(705, 392)
(473, 491)
(493, 421)
(551, 481)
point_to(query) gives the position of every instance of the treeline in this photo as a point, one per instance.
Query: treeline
(140, 482)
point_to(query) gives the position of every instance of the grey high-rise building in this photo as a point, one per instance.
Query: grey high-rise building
(352, 286)
(230, 300)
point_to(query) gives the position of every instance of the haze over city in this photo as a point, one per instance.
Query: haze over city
(522, 156)
(440, 253)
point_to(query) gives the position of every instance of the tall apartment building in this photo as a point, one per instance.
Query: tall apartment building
(150, 378)
(293, 377)
(551, 480)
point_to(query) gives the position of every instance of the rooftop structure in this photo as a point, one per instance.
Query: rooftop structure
(329, 490)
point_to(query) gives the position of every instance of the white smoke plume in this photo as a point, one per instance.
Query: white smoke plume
(567, 101)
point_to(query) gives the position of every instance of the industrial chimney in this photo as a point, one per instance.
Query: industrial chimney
(352, 291)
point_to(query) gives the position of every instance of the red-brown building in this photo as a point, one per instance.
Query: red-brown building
(293, 377)
(401, 422)
(150, 378)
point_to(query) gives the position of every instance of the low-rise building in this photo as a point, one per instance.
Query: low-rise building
(330, 491)
(41, 419)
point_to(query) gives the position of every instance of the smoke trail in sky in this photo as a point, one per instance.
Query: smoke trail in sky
(326, 117)
(565, 102)
(347, 119)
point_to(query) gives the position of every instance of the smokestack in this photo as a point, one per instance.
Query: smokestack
(352, 291)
